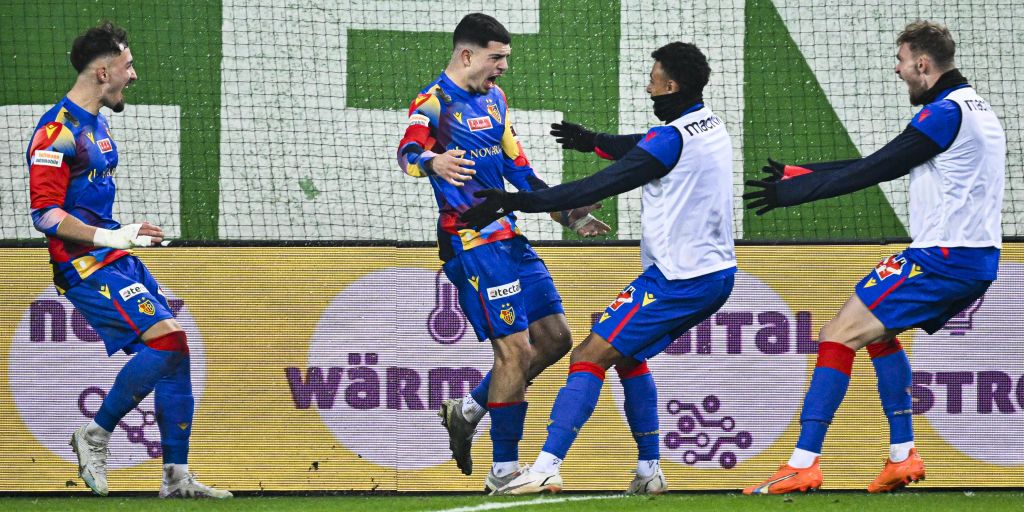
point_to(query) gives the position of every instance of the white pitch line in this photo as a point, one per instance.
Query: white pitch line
(538, 501)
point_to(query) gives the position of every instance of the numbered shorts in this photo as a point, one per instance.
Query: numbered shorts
(503, 286)
(902, 294)
(653, 310)
(120, 301)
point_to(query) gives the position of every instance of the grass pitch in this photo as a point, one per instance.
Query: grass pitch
(931, 501)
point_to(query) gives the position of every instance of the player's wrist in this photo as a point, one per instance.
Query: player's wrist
(582, 221)
(124, 237)
(427, 164)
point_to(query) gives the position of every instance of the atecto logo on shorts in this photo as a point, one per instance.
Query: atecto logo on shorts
(969, 376)
(59, 374)
(731, 385)
(132, 290)
(373, 397)
(503, 291)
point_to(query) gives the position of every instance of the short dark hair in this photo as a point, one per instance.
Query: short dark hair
(480, 29)
(685, 64)
(96, 42)
(931, 38)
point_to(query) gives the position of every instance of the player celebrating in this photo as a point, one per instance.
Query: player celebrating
(685, 169)
(72, 161)
(955, 152)
(460, 135)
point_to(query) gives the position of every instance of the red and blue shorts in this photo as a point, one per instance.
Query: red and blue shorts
(120, 301)
(903, 294)
(653, 310)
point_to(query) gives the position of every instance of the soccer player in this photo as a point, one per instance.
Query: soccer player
(460, 136)
(72, 160)
(955, 152)
(685, 169)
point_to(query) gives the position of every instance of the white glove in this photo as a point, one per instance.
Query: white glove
(125, 237)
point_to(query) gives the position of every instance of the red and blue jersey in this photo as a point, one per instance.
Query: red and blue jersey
(72, 159)
(444, 117)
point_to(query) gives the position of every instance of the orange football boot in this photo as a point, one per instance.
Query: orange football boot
(789, 479)
(899, 474)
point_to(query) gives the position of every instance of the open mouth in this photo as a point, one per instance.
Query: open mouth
(491, 81)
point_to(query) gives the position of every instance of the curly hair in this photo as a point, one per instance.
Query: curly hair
(685, 64)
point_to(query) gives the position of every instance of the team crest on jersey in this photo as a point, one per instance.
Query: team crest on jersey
(625, 297)
(105, 145)
(479, 123)
(492, 109)
(890, 266)
(146, 307)
(507, 314)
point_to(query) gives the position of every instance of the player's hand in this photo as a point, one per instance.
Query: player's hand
(779, 171)
(155, 234)
(584, 224)
(573, 136)
(765, 196)
(451, 167)
(495, 205)
(129, 236)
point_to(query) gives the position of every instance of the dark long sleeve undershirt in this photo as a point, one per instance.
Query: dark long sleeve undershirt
(908, 150)
(636, 168)
(616, 146)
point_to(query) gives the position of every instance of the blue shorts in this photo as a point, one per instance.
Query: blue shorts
(653, 310)
(120, 301)
(503, 286)
(902, 294)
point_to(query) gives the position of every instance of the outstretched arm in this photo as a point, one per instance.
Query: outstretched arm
(653, 158)
(606, 145)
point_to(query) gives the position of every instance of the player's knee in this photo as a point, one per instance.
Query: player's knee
(174, 341)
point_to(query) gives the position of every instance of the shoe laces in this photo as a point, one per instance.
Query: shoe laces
(99, 453)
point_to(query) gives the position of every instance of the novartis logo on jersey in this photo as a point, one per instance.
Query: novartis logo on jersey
(374, 394)
(729, 387)
(969, 376)
(60, 373)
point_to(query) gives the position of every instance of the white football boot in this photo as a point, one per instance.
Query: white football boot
(92, 461)
(189, 487)
(494, 482)
(530, 481)
(654, 484)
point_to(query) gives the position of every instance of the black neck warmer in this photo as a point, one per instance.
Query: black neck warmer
(951, 78)
(669, 107)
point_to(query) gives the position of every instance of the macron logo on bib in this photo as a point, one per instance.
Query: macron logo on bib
(503, 291)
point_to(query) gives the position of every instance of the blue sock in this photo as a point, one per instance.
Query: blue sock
(894, 380)
(175, 406)
(134, 382)
(829, 382)
(507, 430)
(479, 393)
(573, 406)
(641, 408)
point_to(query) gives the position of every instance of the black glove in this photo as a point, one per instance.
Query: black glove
(774, 170)
(496, 204)
(573, 136)
(767, 198)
